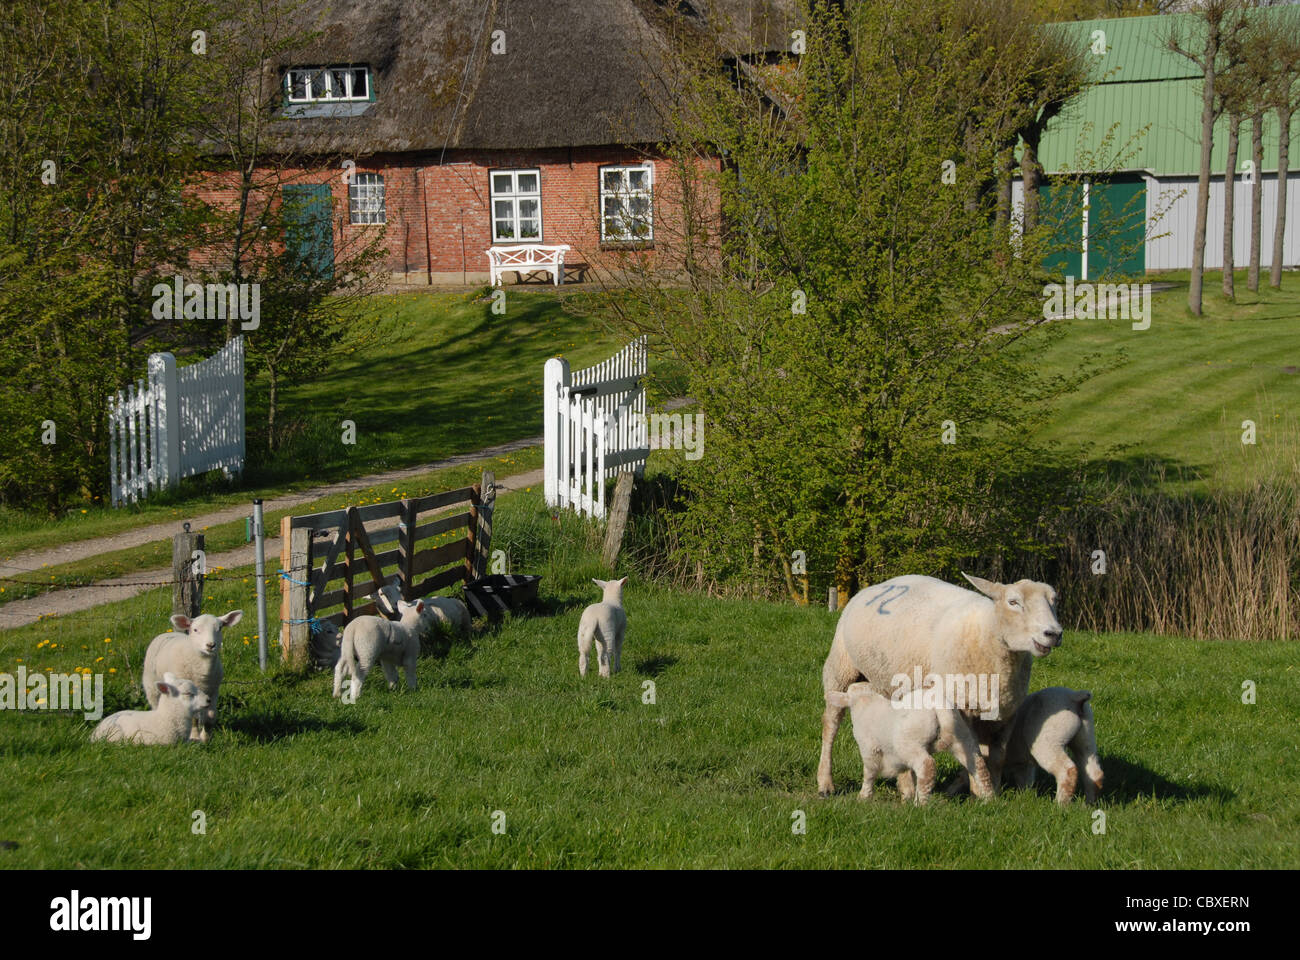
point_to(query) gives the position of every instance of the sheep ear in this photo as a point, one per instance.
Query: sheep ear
(622, 582)
(167, 689)
(181, 622)
(599, 583)
(419, 606)
(232, 618)
(987, 587)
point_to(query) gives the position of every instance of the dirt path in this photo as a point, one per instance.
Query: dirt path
(22, 563)
(57, 603)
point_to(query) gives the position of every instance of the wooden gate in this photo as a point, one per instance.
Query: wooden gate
(333, 559)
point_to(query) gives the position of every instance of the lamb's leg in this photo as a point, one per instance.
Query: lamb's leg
(837, 673)
(906, 785)
(408, 666)
(585, 637)
(870, 770)
(618, 651)
(390, 673)
(923, 765)
(1084, 744)
(603, 651)
(340, 669)
(1058, 763)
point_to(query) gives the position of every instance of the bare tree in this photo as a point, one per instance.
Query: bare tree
(1283, 97)
(1212, 41)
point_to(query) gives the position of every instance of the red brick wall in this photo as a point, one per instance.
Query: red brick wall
(446, 198)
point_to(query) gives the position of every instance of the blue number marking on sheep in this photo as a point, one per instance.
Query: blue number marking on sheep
(883, 602)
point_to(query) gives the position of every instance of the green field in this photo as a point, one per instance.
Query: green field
(1181, 389)
(586, 774)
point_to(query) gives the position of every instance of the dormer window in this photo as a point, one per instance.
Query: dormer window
(327, 84)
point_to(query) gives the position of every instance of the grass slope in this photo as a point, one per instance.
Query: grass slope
(586, 773)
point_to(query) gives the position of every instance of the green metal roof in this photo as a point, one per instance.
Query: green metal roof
(1141, 84)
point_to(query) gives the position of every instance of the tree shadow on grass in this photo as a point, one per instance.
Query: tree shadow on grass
(275, 725)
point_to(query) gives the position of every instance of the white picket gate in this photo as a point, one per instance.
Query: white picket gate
(177, 423)
(595, 427)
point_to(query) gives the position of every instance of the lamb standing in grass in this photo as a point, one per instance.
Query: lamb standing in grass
(179, 704)
(371, 640)
(909, 623)
(192, 653)
(901, 736)
(447, 612)
(605, 623)
(1049, 726)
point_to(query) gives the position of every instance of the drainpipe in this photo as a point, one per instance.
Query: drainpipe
(464, 267)
(428, 251)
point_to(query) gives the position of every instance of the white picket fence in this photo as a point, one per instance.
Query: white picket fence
(177, 423)
(595, 427)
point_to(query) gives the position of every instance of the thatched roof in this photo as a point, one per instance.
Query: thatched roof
(574, 72)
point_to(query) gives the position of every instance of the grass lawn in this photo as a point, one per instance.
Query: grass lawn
(446, 376)
(1189, 382)
(586, 773)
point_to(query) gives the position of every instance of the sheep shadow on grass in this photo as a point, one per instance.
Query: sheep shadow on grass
(273, 725)
(1125, 781)
(652, 666)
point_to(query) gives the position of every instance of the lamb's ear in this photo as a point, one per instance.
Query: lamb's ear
(232, 618)
(987, 587)
(419, 606)
(168, 689)
(622, 582)
(1082, 696)
(599, 583)
(181, 622)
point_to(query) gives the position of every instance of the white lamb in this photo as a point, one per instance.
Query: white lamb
(605, 623)
(179, 704)
(1049, 726)
(371, 640)
(900, 737)
(447, 612)
(914, 624)
(193, 653)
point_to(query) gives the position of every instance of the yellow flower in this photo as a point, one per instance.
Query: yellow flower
(99, 659)
(112, 669)
(108, 639)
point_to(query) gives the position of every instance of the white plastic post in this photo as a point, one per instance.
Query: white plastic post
(554, 375)
(166, 397)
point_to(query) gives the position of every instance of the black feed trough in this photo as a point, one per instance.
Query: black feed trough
(492, 596)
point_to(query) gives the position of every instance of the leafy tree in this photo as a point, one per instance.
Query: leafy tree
(862, 310)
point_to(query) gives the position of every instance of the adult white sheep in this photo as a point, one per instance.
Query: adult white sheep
(371, 640)
(193, 652)
(915, 624)
(179, 703)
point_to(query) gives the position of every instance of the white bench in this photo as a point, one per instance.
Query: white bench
(527, 258)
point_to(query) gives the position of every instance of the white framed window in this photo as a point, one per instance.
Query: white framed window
(366, 198)
(324, 84)
(516, 206)
(626, 201)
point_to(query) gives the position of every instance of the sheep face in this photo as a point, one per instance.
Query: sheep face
(194, 700)
(1025, 614)
(204, 631)
(388, 598)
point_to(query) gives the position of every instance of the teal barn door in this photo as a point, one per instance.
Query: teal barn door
(308, 227)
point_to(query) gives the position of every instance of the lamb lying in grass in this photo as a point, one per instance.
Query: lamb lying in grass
(371, 640)
(179, 703)
(604, 623)
(1047, 724)
(446, 612)
(898, 738)
(193, 653)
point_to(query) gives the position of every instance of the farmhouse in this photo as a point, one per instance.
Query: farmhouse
(463, 125)
(1142, 215)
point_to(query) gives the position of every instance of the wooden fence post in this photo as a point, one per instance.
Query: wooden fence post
(295, 637)
(187, 573)
(481, 526)
(406, 549)
(617, 519)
